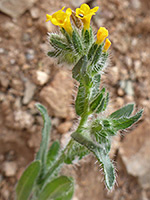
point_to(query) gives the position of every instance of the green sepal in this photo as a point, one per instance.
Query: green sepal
(92, 51)
(77, 42)
(76, 151)
(80, 64)
(98, 66)
(125, 122)
(61, 188)
(97, 54)
(53, 154)
(86, 39)
(66, 35)
(80, 100)
(95, 86)
(125, 111)
(27, 181)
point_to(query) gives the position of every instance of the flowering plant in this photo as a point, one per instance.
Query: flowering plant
(76, 44)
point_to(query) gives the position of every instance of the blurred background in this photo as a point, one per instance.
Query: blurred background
(28, 76)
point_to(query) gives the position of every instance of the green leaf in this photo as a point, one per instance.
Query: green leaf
(123, 112)
(80, 100)
(101, 106)
(101, 155)
(95, 86)
(55, 53)
(106, 102)
(125, 122)
(61, 188)
(92, 51)
(80, 64)
(77, 42)
(42, 154)
(96, 102)
(59, 43)
(76, 151)
(27, 180)
(53, 153)
(97, 54)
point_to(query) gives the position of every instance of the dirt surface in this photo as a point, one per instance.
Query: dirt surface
(27, 76)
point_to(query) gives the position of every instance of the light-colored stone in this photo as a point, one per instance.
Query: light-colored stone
(29, 91)
(135, 151)
(64, 127)
(41, 77)
(35, 12)
(58, 94)
(10, 168)
(15, 8)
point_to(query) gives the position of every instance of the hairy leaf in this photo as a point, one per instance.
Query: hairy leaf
(27, 180)
(77, 42)
(61, 188)
(42, 154)
(80, 100)
(53, 153)
(125, 122)
(123, 112)
(101, 155)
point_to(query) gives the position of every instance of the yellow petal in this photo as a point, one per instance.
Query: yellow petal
(107, 45)
(85, 7)
(69, 11)
(95, 9)
(49, 17)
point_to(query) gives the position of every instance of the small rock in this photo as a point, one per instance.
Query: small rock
(58, 94)
(41, 77)
(34, 12)
(119, 102)
(128, 61)
(120, 92)
(29, 91)
(23, 119)
(64, 127)
(135, 153)
(127, 86)
(136, 4)
(10, 168)
(30, 54)
(15, 8)
(2, 50)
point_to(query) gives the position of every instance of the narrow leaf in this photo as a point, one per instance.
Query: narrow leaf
(27, 180)
(42, 154)
(80, 100)
(60, 188)
(123, 112)
(102, 157)
(123, 123)
(80, 64)
(77, 42)
(53, 153)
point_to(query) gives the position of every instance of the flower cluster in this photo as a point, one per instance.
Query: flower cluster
(84, 13)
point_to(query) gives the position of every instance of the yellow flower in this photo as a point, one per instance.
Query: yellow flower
(85, 14)
(107, 45)
(61, 19)
(101, 35)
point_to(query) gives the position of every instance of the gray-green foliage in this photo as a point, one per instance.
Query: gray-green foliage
(41, 180)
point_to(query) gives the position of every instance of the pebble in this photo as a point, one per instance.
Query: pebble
(30, 54)
(29, 91)
(9, 168)
(41, 77)
(2, 50)
(64, 127)
(128, 61)
(34, 13)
